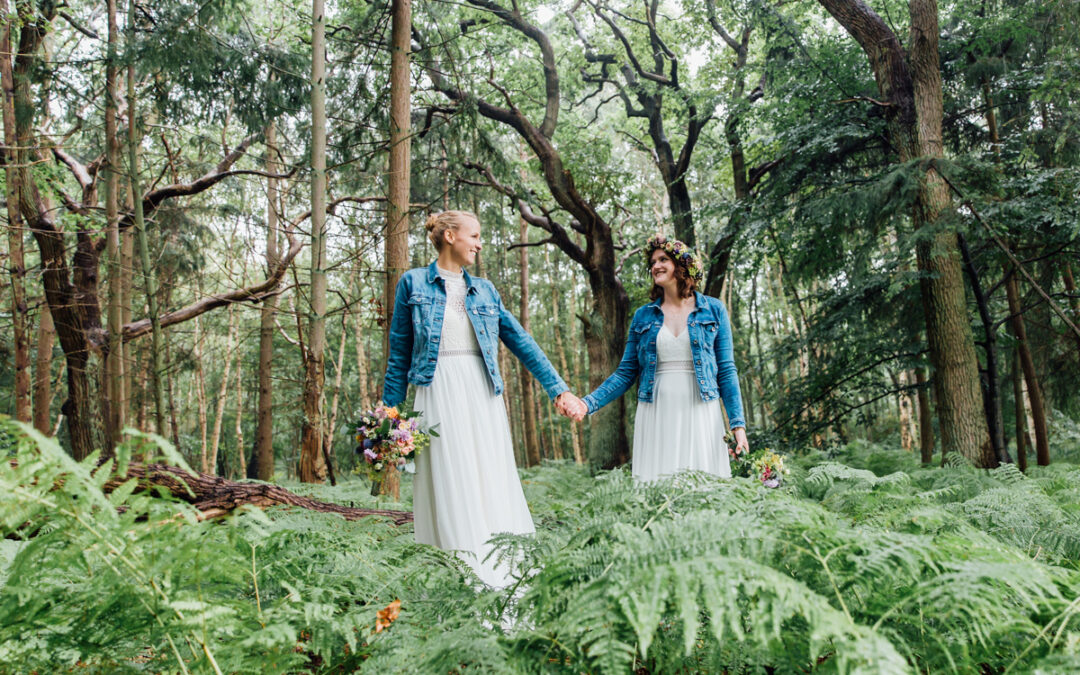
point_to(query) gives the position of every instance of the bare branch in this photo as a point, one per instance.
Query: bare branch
(531, 244)
(78, 26)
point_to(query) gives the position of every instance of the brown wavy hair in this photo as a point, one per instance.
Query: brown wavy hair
(684, 282)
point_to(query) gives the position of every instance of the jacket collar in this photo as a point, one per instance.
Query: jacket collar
(699, 302)
(433, 274)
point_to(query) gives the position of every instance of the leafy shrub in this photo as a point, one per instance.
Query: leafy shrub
(899, 569)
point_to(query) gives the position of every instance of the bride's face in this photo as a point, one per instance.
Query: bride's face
(464, 242)
(662, 268)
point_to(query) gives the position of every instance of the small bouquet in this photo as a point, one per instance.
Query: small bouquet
(388, 437)
(769, 468)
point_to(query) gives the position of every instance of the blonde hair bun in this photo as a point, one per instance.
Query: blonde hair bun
(438, 223)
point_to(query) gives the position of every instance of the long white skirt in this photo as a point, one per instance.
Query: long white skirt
(466, 487)
(678, 431)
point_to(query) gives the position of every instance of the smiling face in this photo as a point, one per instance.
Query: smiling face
(662, 268)
(463, 243)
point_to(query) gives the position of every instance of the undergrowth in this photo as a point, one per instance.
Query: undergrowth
(866, 562)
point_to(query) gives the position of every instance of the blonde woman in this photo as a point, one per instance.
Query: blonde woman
(680, 347)
(444, 339)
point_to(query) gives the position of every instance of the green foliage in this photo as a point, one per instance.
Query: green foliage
(874, 565)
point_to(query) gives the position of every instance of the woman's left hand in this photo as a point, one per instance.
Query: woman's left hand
(742, 446)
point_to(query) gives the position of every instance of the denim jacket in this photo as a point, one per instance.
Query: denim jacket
(416, 328)
(710, 344)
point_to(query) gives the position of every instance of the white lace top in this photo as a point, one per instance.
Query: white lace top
(458, 336)
(673, 354)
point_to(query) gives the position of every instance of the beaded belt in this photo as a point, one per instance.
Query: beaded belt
(675, 367)
(459, 352)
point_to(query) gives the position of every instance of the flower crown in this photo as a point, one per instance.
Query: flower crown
(680, 253)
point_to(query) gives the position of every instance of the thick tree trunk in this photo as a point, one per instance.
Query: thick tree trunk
(397, 208)
(914, 96)
(262, 459)
(560, 348)
(605, 335)
(528, 406)
(312, 460)
(43, 370)
(1027, 363)
(20, 324)
(215, 496)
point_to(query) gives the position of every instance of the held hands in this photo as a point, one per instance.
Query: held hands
(571, 406)
(741, 445)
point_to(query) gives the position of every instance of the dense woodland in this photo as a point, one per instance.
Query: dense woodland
(207, 206)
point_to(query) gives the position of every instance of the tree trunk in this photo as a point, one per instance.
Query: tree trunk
(605, 333)
(911, 84)
(528, 407)
(364, 400)
(926, 424)
(20, 324)
(149, 277)
(1074, 299)
(312, 460)
(223, 390)
(1019, 332)
(43, 370)
(241, 453)
(331, 429)
(262, 459)
(397, 207)
(200, 394)
(215, 496)
(1022, 441)
(560, 348)
(116, 397)
(174, 425)
(991, 395)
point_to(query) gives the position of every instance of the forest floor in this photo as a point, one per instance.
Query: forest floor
(864, 561)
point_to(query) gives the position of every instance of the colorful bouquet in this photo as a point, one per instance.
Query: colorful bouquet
(388, 437)
(769, 468)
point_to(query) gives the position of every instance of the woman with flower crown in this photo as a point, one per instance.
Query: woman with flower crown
(680, 348)
(444, 339)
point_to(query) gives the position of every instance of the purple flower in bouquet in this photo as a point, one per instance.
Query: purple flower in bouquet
(369, 454)
(368, 443)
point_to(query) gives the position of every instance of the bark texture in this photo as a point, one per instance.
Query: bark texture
(313, 467)
(910, 86)
(216, 496)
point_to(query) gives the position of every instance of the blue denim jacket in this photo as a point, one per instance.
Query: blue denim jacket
(416, 328)
(710, 344)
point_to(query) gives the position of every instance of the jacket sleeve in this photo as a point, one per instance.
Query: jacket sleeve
(622, 379)
(396, 383)
(525, 348)
(727, 375)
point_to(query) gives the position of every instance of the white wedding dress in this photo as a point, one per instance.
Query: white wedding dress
(678, 431)
(466, 487)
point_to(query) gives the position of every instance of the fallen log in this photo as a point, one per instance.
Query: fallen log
(215, 496)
